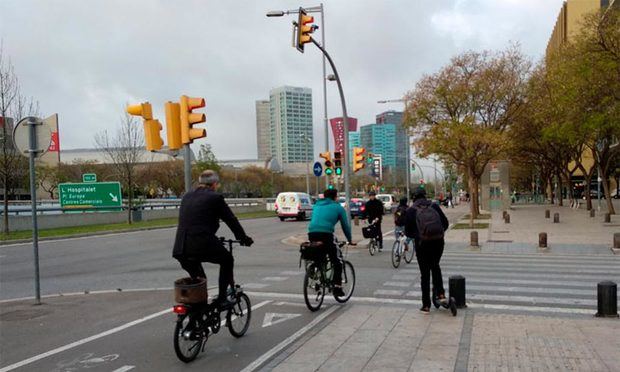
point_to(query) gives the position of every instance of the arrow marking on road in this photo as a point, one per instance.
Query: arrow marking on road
(275, 318)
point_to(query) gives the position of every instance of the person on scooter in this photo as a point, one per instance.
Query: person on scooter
(426, 223)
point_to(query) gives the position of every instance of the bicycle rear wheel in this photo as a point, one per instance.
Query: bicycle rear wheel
(187, 338)
(409, 251)
(314, 290)
(396, 254)
(348, 282)
(238, 318)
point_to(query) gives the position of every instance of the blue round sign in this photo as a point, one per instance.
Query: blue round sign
(318, 169)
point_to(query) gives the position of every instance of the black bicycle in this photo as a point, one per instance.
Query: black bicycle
(319, 274)
(195, 322)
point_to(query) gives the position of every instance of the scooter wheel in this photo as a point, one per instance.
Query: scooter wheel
(436, 302)
(452, 305)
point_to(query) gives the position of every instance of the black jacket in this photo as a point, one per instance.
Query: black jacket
(411, 227)
(374, 209)
(199, 219)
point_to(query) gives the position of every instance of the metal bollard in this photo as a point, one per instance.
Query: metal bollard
(607, 217)
(617, 240)
(592, 212)
(547, 213)
(507, 218)
(473, 238)
(356, 221)
(542, 240)
(556, 218)
(456, 286)
(607, 296)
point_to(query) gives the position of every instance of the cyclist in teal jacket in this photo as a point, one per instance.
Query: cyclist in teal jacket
(325, 215)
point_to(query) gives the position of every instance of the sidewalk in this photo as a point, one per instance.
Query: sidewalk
(397, 338)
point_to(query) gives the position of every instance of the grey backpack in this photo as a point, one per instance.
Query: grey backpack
(429, 222)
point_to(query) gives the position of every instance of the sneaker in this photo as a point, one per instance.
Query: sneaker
(338, 292)
(425, 310)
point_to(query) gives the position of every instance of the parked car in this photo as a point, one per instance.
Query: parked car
(358, 207)
(389, 202)
(293, 205)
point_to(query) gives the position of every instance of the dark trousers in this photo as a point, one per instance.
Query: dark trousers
(217, 255)
(429, 254)
(332, 252)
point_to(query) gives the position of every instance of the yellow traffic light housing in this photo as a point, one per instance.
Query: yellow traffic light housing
(152, 127)
(304, 29)
(328, 162)
(338, 163)
(358, 158)
(189, 118)
(173, 125)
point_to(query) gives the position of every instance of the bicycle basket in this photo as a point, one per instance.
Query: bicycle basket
(190, 291)
(312, 251)
(370, 231)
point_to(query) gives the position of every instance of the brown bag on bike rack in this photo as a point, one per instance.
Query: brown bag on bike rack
(190, 291)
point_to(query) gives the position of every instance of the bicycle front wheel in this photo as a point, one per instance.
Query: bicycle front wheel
(187, 338)
(238, 318)
(372, 247)
(348, 282)
(314, 290)
(409, 251)
(396, 254)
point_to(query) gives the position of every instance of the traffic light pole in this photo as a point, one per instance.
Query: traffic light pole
(187, 167)
(345, 121)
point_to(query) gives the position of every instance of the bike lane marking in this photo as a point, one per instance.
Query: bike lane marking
(96, 337)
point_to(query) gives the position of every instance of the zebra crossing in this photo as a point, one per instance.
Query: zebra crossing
(545, 283)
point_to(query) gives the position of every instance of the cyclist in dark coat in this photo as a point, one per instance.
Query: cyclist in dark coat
(196, 240)
(374, 211)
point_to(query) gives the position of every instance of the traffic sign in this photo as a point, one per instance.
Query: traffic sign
(98, 194)
(42, 136)
(89, 178)
(318, 169)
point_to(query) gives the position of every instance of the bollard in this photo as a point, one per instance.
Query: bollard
(473, 238)
(617, 240)
(607, 217)
(507, 218)
(547, 214)
(542, 240)
(592, 212)
(356, 221)
(504, 213)
(607, 295)
(556, 218)
(456, 287)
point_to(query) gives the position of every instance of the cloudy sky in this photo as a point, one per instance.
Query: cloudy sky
(86, 59)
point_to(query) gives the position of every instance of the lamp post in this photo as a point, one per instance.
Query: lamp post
(408, 153)
(314, 9)
(306, 140)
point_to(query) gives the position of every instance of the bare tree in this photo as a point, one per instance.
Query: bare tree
(124, 150)
(13, 107)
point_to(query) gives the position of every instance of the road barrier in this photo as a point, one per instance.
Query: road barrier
(607, 298)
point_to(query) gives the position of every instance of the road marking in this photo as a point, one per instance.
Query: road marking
(388, 292)
(397, 284)
(404, 277)
(124, 369)
(255, 285)
(285, 303)
(513, 298)
(275, 278)
(275, 318)
(262, 359)
(291, 272)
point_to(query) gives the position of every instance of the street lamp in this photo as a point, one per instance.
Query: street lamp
(307, 141)
(408, 154)
(313, 9)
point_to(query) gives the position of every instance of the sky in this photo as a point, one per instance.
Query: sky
(85, 60)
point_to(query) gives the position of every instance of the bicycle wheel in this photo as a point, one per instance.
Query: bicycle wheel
(187, 342)
(314, 291)
(372, 247)
(409, 251)
(396, 254)
(348, 282)
(238, 318)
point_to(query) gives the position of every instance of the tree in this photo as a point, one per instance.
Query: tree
(462, 113)
(48, 177)
(206, 159)
(124, 150)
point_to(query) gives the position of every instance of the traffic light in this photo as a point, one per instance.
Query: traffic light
(422, 183)
(304, 29)
(338, 163)
(173, 125)
(152, 127)
(328, 162)
(189, 118)
(358, 158)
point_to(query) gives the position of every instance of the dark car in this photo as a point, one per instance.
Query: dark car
(358, 207)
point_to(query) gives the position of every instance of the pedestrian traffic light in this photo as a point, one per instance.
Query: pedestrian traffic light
(328, 162)
(338, 163)
(358, 158)
(304, 29)
(173, 125)
(152, 127)
(189, 118)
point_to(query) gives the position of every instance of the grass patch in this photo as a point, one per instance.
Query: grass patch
(463, 226)
(480, 216)
(76, 230)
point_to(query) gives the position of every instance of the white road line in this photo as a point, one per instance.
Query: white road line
(544, 290)
(291, 272)
(255, 285)
(275, 278)
(397, 284)
(535, 309)
(511, 298)
(404, 277)
(263, 358)
(124, 369)
(388, 292)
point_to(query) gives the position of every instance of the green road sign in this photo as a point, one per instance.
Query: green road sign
(89, 177)
(99, 194)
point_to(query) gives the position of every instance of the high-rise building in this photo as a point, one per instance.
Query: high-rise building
(354, 141)
(401, 140)
(263, 131)
(380, 139)
(338, 131)
(290, 112)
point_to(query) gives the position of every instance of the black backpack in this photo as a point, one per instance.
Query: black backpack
(400, 216)
(429, 222)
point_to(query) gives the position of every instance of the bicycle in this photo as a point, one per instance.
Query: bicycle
(319, 274)
(196, 321)
(370, 232)
(402, 249)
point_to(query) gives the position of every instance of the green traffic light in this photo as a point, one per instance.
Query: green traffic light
(328, 171)
(338, 171)
(331, 187)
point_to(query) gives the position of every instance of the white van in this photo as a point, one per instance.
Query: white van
(389, 202)
(293, 205)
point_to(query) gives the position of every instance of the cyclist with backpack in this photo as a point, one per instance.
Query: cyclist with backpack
(426, 223)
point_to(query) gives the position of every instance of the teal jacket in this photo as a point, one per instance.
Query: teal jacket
(325, 216)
